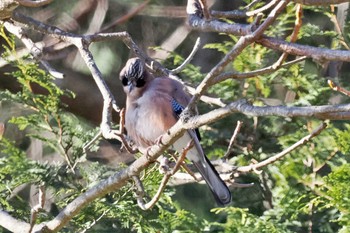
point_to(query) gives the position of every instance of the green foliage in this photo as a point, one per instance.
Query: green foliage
(338, 192)
(241, 221)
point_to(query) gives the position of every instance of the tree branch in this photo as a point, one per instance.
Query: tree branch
(13, 224)
(304, 140)
(241, 44)
(319, 2)
(36, 3)
(320, 54)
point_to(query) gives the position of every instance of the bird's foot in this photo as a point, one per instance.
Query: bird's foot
(158, 141)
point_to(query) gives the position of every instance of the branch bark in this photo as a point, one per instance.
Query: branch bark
(319, 2)
(304, 140)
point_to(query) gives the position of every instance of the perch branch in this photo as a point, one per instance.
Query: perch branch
(127, 16)
(319, 2)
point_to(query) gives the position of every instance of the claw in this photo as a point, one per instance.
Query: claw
(158, 141)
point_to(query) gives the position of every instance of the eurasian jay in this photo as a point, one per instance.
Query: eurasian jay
(153, 105)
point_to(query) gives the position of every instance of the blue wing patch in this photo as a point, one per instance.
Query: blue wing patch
(177, 108)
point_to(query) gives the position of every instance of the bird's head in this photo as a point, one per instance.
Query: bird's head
(133, 75)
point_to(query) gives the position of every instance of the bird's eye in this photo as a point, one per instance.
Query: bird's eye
(140, 82)
(125, 81)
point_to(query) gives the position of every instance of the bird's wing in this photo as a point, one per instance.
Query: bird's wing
(218, 187)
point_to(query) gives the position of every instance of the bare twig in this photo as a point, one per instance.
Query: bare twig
(36, 3)
(188, 59)
(233, 138)
(134, 11)
(35, 209)
(338, 88)
(242, 43)
(236, 14)
(294, 36)
(187, 169)
(266, 70)
(125, 143)
(93, 140)
(319, 2)
(304, 140)
(166, 177)
(34, 49)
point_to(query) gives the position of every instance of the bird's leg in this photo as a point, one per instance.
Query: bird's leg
(121, 134)
(180, 160)
(158, 141)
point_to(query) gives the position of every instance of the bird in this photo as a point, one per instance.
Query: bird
(153, 106)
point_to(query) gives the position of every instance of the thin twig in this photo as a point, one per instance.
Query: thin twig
(233, 138)
(126, 17)
(263, 8)
(188, 59)
(304, 140)
(36, 3)
(241, 44)
(338, 88)
(35, 209)
(294, 36)
(166, 177)
(236, 14)
(34, 49)
(251, 74)
(338, 29)
(87, 145)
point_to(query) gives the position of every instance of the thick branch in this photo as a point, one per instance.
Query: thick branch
(332, 112)
(320, 54)
(241, 44)
(200, 24)
(13, 224)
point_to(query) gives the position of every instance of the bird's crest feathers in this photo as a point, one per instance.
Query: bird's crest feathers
(135, 69)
